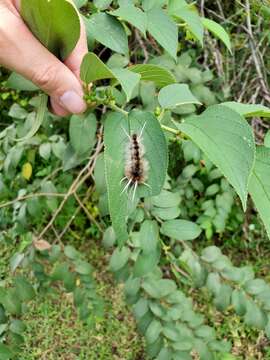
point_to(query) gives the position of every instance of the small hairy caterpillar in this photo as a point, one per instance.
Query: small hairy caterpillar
(136, 166)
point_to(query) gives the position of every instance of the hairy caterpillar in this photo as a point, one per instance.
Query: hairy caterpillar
(136, 166)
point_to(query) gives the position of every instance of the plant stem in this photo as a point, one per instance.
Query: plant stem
(171, 130)
(117, 108)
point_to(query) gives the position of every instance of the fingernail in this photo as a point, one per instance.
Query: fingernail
(72, 102)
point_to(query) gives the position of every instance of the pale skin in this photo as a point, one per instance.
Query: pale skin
(20, 51)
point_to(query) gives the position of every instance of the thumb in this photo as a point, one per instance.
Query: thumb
(23, 53)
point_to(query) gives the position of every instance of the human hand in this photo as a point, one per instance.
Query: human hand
(20, 51)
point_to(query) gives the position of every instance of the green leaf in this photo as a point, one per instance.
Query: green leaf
(102, 4)
(211, 254)
(166, 213)
(159, 288)
(174, 95)
(159, 75)
(60, 272)
(218, 31)
(145, 264)
(163, 29)
(165, 354)
(239, 302)
(166, 199)
(48, 188)
(116, 142)
(5, 352)
(228, 142)
(41, 110)
(255, 317)
(255, 286)
(133, 15)
(259, 186)
(82, 132)
(128, 80)
(11, 302)
(223, 298)
(114, 138)
(108, 31)
(83, 267)
(93, 69)
(153, 331)
(181, 230)
(149, 238)
(71, 252)
(18, 82)
(181, 10)
(108, 237)
(51, 21)
(119, 258)
(24, 289)
(17, 327)
(248, 110)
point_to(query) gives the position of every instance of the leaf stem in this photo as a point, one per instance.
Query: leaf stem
(118, 109)
(171, 130)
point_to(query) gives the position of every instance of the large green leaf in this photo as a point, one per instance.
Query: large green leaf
(116, 140)
(228, 141)
(108, 31)
(133, 15)
(248, 110)
(163, 29)
(259, 186)
(93, 69)
(51, 22)
(159, 75)
(174, 95)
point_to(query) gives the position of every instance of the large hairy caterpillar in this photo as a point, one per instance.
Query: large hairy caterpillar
(136, 166)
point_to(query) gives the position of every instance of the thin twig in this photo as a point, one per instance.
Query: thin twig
(30, 196)
(144, 49)
(75, 185)
(90, 217)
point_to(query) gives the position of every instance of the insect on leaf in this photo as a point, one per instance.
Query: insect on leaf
(118, 128)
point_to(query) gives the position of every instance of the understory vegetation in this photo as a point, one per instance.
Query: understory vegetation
(174, 269)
